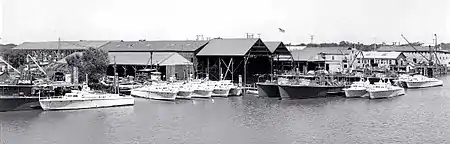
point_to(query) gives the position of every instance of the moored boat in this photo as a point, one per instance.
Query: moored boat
(84, 99)
(184, 91)
(305, 88)
(162, 92)
(384, 90)
(307, 91)
(220, 89)
(142, 92)
(268, 89)
(201, 90)
(420, 81)
(357, 89)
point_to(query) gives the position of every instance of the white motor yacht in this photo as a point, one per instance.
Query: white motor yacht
(84, 99)
(220, 89)
(384, 90)
(184, 90)
(142, 92)
(420, 81)
(357, 89)
(201, 90)
(234, 89)
(162, 92)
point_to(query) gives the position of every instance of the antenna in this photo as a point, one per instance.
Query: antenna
(311, 37)
(249, 35)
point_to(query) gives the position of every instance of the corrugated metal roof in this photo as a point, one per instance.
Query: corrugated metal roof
(163, 46)
(380, 55)
(311, 53)
(230, 47)
(141, 58)
(63, 45)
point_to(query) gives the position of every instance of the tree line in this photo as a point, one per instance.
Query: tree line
(362, 46)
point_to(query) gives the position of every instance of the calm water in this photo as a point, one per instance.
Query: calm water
(421, 116)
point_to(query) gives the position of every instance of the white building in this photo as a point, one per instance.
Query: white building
(380, 59)
(332, 59)
(420, 54)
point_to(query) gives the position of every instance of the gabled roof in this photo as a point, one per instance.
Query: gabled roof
(277, 48)
(155, 46)
(233, 47)
(62, 45)
(272, 46)
(141, 58)
(311, 53)
(380, 55)
(403, 48)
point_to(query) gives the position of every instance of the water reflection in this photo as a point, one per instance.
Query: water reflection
(421, 116)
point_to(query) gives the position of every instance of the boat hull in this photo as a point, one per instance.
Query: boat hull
(68, 104)
(268, 90)
(353, 93)
(220, 92)
(141, 94)
(304, 92)
(386, 93)
(424, 84)
(14, 103)
(184, 94)
(202, 94)
(157, 95)
(235, 91)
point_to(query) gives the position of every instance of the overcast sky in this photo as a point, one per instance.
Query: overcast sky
(365, 21)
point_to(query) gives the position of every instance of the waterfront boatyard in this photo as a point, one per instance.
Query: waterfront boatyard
(221, 83)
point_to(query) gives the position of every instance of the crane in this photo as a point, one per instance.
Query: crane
(10, 65)
(415, 48)
(35, 62)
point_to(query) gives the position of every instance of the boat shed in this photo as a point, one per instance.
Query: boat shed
(52, 51)
(185, 48)
(281, 56)
(230, 58)
(168, 63)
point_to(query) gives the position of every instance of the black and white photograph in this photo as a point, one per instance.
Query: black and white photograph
(224, 71)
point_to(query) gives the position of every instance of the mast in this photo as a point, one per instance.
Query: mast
(57, 50)
(116, 85)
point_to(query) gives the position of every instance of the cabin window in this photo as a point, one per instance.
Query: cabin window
(332, 57)
(414, 60)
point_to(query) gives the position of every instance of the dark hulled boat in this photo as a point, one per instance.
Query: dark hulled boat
(308, 91)
(311, 87)
(18, 97)
(268, 89)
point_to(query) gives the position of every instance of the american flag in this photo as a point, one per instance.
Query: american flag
(281, 30)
